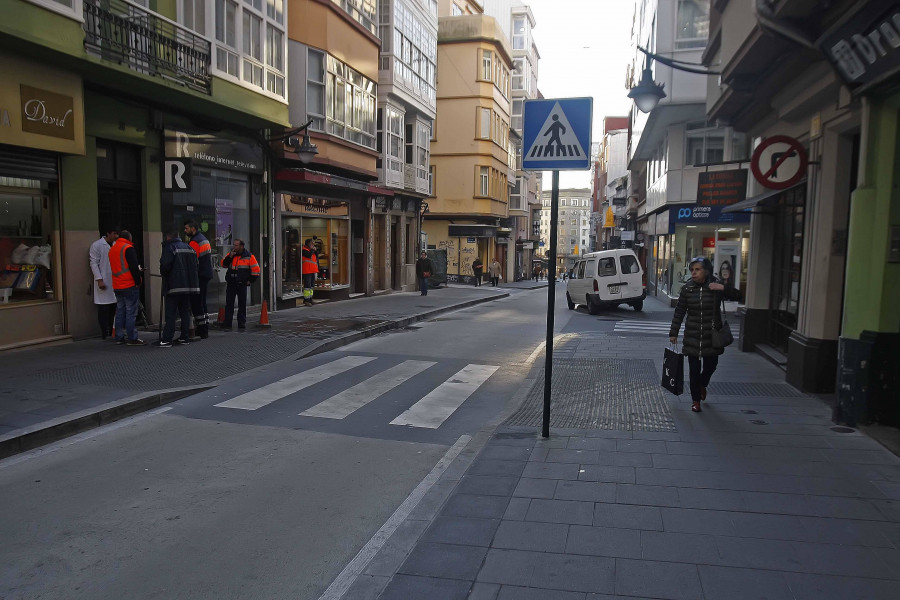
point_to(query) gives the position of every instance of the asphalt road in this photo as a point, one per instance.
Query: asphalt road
(253, 498)
(268, 488)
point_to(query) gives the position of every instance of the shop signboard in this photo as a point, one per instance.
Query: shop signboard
(703, 215)
(468, 231)
(209, 150)
(864, 47)
(316, 207)
(721, 188)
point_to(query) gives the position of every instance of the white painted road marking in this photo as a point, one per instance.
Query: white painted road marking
(348, 401)
(442, 401)
(643, 326)
(285, 387)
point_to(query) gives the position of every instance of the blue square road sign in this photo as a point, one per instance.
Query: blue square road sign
(557, 134)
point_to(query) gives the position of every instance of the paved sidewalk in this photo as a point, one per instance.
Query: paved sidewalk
(759, 496)
(49, 392)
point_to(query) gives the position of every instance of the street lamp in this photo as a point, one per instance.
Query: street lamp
(647, 93)
(305, 150)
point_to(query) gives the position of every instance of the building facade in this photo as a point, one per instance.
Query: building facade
(611, 185)
(673, 147)
(573, 225)
(466, 214)
(824, 274)
(98, 101)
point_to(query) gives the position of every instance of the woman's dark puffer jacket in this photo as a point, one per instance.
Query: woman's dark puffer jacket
(702, 306)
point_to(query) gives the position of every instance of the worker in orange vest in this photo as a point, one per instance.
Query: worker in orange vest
(127, 279)
(310, 269)
(203, 249)
(242, 271)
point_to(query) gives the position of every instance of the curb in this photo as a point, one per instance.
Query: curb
(46, 432)
(90, 418)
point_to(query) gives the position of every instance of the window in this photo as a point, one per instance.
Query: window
(275, 10)
(516, 117)
(432, 180)
(703, 144)
(518, 74)
(422, 150)
(629, 265)
(193, 15)
(518, 33)
(484, 188)
(487, 71)
(226, 35)
(252, 48)
(393, 139)
(362, 11)
(275, 60)
(414, 49)
(515, 195)
(606, 267)
(456, 11)
(315, 88)
(484, 125)
(692, 25)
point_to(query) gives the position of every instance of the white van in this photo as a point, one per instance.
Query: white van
(606, 278)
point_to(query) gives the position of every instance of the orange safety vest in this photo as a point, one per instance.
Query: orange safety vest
(310, 264)
(241, 263)
(202, 249)
(121, 273)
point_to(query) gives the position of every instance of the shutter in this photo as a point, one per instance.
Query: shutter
(23, 163)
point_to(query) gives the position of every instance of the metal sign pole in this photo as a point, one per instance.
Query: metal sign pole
(551, 300)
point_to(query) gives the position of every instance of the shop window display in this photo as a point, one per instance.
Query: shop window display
(26, 255)
(330, 235)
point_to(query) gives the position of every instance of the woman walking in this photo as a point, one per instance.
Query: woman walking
(699, 301)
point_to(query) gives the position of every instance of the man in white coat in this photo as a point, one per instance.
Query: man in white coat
(104, 297)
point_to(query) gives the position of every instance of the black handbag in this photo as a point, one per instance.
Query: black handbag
(722, 337)
(673, 370)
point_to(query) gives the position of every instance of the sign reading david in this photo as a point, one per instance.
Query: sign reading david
(47, 113)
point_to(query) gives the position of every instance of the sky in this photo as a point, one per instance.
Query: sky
(585, 48)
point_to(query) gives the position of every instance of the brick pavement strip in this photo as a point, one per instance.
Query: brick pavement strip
(755, 497)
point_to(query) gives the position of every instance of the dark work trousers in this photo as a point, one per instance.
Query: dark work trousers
(477, 277)
(700, 377)
(423, 285)
(106, 315)
(198, 304)
(177, 305)
(235, 289)
(495, 281)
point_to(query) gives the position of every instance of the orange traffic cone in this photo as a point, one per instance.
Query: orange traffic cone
(221, 318)
(264, 316)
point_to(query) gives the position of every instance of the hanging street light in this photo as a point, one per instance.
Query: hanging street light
(647, 93)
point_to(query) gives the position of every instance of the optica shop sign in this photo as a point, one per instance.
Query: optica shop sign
(698, 215)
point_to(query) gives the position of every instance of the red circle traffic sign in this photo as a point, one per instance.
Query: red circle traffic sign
(765, 176)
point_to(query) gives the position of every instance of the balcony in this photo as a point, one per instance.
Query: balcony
(147, 43)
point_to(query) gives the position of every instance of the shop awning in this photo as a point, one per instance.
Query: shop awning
(760, 200)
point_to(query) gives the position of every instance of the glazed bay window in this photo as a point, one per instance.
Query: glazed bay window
(518, 75)
(422, 151)
(349, 103)
(484, 181)
(193, 15)
(394, 141)
(517, 114)
(315, 88)
(250, 39)
(414, 48)
(692, 24)
(362, 11)
(705, 143)
(487, 70)
(484, 123)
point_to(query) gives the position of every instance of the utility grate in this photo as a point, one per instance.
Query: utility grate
(775, 390)
(599, 394)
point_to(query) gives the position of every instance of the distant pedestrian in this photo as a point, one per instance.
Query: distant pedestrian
(242, 271)
(535, 272)
(495, 272)
(477, 268)
(203, 250)
(179, 267)
(699, 302)
(310, 268)
(424, 269)
(127, 280)
(102, 286)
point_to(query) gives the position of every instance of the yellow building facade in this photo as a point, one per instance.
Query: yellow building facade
(470, 151)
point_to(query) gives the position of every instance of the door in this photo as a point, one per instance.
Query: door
(396, 257)
(630, 276)
(608, 281)
(378, 252)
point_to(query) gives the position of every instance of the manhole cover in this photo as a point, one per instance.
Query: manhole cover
(749, 412)
(843, 430)
(759, 422)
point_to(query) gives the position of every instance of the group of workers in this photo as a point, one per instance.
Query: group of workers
(186, 269)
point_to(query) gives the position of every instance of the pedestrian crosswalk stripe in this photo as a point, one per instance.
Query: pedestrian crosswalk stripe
(285, 387)
(643, 326)
(442, 401)
(352, 399)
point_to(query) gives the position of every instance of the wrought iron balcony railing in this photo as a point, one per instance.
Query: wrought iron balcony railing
(121, 31)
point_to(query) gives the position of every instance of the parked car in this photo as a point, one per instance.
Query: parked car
(606, 279)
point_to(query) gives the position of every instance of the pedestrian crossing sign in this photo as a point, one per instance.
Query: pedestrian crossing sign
(557, 134)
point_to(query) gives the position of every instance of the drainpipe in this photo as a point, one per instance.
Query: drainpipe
(767, 20)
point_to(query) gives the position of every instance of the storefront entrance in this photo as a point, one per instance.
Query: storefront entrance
(784, 300)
